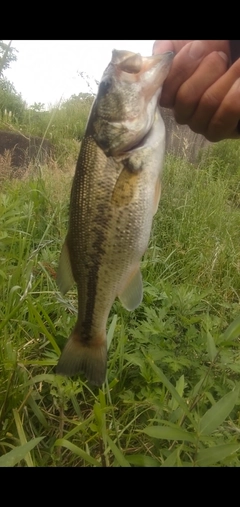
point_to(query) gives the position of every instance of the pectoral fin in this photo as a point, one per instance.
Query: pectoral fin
(132, 294)
(157, 196)
(124, 189)
(65, 278)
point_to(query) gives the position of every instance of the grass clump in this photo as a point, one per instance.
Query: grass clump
(171, 396)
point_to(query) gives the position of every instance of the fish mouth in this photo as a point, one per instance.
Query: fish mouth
(134, 63)
(127, 101)
(127, 61)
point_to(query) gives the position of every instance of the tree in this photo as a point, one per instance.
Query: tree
(11, 102)
(7, 56)
(37, 106)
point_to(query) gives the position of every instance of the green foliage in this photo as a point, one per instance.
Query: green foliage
(67, 121)
(171, 396)
(12, 106)
(63, 125)
(7, 56)
(10, 101)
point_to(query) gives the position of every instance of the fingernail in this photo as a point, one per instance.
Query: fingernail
(161, 46)
(196, 49)
(223, 55)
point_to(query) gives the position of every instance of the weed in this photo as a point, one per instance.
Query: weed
(171, 397)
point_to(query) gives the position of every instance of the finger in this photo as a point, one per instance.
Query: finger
(212, 67)
(161, 46)
(212, 98)
(225, 122)
(185, 64)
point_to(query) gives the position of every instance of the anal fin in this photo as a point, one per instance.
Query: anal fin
(132, 294)
(65, 278)
(157, 196)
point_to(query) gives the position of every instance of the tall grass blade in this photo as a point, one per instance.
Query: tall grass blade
(121, 460)
(76, 450)
(140, 460)
(211, 347)
(164, 433)
(16, 455)
(22, 437)
(233, 330)
(217, 414)
(215, 454)
(171, 389)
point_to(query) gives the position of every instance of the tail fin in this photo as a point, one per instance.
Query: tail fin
(88, 358)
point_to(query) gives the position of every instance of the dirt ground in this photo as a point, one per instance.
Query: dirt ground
(24, 149)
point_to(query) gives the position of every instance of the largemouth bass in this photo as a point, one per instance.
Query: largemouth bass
(115, 194)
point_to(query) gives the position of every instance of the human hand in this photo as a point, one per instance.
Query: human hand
(202, 89)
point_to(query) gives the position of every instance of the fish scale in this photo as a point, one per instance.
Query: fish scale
(114, 196)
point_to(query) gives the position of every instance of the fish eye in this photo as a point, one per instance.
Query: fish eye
(105, 86)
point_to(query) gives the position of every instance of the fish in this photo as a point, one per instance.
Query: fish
(115, 194)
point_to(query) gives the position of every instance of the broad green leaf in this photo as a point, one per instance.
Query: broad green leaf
(40, 362)
(133, 359)
(15, 288)
(44, 377)
(217, 413)
(211, 347)
(3, 235)
(233, 331)
(2, 274)
(43, 328)
(62, 442)
(141, 460)
(165, 433)
(173, 404)
(80, 426)
(11, 315)
(37, 411)
(171, 459)
(22, 437)
(47, 318)
(117, 453)
(76, 406)
(212, 455)
(13, 457)
(99, 416)
(197, 387)
(172, 390)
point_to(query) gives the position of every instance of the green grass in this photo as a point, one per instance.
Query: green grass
(63, 125)
(171, 397)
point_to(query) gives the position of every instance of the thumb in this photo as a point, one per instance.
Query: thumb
(160, 46)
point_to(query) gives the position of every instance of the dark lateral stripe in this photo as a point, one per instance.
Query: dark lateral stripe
(88, 263)
(93, 278)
